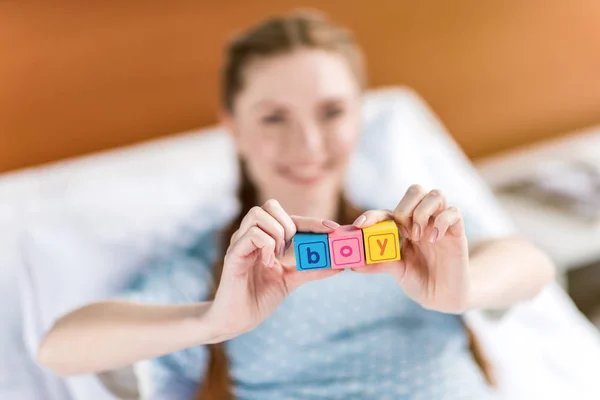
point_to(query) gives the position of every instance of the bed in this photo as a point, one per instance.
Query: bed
(73, 232)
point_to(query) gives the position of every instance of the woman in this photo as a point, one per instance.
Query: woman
(291, 98)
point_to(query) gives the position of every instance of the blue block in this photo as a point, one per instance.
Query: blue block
(312, 251)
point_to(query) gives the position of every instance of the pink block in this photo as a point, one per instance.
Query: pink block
(346, 247)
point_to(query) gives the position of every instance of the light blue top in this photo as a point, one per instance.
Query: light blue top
(353, 336)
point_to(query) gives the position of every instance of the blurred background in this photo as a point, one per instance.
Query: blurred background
(516, 83)
(97, 75)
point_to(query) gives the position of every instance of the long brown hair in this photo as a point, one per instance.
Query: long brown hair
(275, 36)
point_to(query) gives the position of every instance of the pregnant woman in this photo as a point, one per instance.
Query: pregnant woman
(231, 317)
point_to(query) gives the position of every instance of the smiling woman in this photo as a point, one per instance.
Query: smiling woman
(95, 75)
(393, 329)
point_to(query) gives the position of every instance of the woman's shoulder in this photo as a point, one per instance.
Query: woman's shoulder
(178, 272)
(198, 237)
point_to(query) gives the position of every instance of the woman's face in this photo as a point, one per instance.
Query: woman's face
(296, 122)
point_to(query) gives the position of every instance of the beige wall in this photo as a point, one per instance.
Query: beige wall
(77, 77)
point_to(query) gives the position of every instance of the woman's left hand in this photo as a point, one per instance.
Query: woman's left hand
(434, 269)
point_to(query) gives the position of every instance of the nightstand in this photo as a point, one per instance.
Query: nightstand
(574, 244)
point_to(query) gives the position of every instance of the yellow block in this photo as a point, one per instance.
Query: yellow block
(382, 242)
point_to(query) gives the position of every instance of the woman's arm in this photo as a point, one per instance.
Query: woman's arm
(506, 271)
(437, 270)
(254, 282)
(113, 334)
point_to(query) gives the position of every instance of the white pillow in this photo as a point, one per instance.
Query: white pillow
(83, 240)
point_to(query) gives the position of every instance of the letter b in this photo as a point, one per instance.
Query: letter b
(312, 250)
(313, 257)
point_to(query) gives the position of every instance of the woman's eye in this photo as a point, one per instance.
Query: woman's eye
(273, 119)
(332, 113)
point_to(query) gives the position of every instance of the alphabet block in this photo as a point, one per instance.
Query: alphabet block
(346, 247)
(382, 242)
(312, 251)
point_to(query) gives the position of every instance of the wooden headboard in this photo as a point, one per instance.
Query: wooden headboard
(78, 77)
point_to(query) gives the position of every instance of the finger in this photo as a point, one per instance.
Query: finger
(254, 239)
(276, 211)
(314, 225)
(449, 220)
(403, 212)
(371, 217)
(257, 216)
(404, 232)
(430, 206)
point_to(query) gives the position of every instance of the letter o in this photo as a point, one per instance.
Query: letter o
(346, 251)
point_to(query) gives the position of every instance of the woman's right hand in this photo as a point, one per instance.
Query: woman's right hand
(256, 278)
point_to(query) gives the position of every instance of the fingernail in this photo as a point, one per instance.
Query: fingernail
(434, 235)
(287, 246)
(331, 224)
(416, 232)
(360, 221)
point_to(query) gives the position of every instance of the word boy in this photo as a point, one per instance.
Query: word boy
(348, 247)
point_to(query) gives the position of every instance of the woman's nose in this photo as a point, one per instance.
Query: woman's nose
(309, 137)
